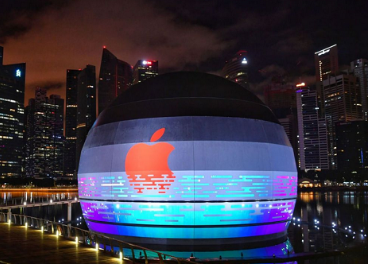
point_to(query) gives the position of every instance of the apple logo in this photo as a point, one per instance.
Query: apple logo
(147, 165)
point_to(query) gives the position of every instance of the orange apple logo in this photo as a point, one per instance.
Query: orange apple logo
(147, 165)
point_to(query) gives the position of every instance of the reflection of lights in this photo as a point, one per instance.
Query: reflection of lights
(121, 255)
(76, 240)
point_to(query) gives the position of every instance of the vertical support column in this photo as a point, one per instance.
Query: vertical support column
(69, 217)
(9, 214)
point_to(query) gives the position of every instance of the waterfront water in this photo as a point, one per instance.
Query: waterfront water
(322, 222)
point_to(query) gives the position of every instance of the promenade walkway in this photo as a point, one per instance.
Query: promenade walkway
(19, 244)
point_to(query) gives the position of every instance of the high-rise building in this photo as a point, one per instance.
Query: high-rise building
(313, 147)
(360, 69)
(342, 103)
(144, 69)
(1, 55)
(236, 69)
(326, 62)
(71, 123)
(86, 106)
(115, 77)
(12, 84)
(45, 141)
(352, 145)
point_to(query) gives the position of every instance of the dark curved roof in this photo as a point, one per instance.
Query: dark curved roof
(185, 94)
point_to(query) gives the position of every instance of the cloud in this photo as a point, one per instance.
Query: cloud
(48, 85)
(293, 41)
(17, 16)
(272, 70)
(73, 36)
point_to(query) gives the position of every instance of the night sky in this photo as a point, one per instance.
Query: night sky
(280, 36)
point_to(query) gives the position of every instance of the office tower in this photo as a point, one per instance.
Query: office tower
(86, 106)
(115, 77)
(360, 69)
(1, 55)
(342, 104)
(44, 150)
(279, 95)
(352, 146)
(12, 84)
(144, 69)
(71, 123)
(313, 147)
(326, 62)
(236, 69)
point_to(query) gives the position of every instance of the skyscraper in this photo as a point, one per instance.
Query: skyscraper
(12, 84)
(352, 146)
(326, 62)
(1, 55)
(86, 106)
(342, 103)
(236, 69)
(71, 123)
(360, 69)
(115, 77)
(313, 147)
(44, 150)
(144, 69)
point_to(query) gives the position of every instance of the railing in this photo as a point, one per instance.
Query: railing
(89, 238)
(34, 204)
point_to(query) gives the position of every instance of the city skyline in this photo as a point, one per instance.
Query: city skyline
(280, 38)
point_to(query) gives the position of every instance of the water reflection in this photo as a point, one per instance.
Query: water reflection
(18, 197)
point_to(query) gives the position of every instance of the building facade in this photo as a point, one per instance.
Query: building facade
(71, 123)
(342, 103)
(236, 69)
(115, 77)
(12, 85)
(326, 62)
(360, 69)
(352, 146)
(45, 141)
(86, 106)
(144, 69)
(313, 147)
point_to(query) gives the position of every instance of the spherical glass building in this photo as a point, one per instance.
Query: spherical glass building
(188, 159)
